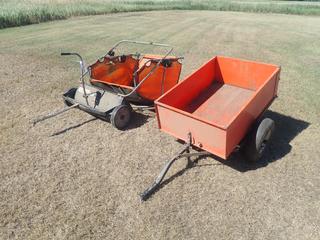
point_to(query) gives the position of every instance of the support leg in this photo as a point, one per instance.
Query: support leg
(189, 163)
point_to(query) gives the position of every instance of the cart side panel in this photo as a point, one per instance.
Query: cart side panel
(257, 105)
(241, 73)
(205, 136)
(195, 83)
(277, 83)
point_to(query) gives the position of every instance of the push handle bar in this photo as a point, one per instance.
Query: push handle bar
(68, 54)
(82, 69)
(170, 49)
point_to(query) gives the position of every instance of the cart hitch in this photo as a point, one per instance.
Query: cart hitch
(184, 153)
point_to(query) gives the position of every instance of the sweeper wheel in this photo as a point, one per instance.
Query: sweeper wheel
(121, 116)
(258, 140)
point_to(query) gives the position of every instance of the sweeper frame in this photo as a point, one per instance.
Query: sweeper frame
(119, 82)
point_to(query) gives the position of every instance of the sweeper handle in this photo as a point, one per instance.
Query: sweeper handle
(83, 72)
(68, 54)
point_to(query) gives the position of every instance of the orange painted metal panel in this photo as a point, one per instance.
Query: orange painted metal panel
(244, 74)
(161, 79)
(119, 72)
(218, 103)
(114, 70)
(188, 90)
(179, 125)
(246, 117)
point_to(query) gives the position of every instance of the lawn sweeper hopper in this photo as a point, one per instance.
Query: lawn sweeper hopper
(119, 82)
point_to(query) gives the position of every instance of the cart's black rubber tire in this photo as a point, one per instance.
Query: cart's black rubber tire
(121, 116)
(71, 94)
(258, 139)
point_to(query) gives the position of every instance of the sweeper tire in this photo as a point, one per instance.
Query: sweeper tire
(258, 140)
(121, 116)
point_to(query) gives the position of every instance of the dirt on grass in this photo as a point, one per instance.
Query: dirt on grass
(77, 177)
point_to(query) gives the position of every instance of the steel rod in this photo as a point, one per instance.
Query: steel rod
(55, 113)
(149, 191)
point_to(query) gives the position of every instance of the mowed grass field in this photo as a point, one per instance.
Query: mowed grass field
(75, 177)
(23, 12)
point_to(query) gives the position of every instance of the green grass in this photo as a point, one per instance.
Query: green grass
(17, 13)
(289, 41)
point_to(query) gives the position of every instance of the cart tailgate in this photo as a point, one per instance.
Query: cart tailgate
(205, 136)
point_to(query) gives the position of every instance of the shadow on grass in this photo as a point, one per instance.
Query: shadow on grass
(287, 128)
(73, 127)
(138, 119)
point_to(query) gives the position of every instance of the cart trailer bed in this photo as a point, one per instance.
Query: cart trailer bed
(218, 103)
(213, 102)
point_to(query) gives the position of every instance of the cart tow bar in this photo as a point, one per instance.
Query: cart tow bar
(184, 153)
(53, 114)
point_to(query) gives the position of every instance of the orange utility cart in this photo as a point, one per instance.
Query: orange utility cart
(218, 109)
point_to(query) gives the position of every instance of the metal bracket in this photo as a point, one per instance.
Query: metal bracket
(184, 153)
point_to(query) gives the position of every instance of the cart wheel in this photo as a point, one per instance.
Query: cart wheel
(120, 116)
(70, 93)
(258, 139)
